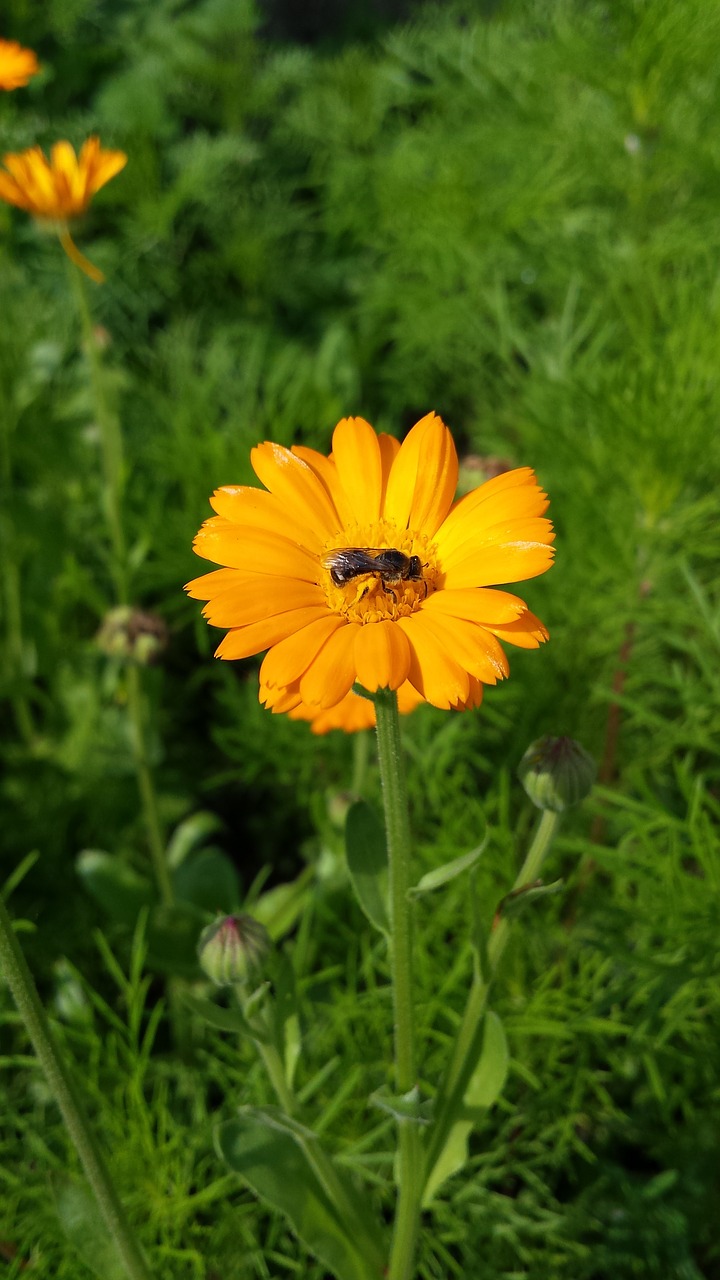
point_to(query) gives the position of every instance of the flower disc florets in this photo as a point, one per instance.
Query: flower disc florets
(361, 568)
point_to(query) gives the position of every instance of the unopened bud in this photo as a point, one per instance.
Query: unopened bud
(231, 949)
(130, 633)
(556, 773)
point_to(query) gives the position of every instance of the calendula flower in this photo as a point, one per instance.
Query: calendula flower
(61, 188)
(361, 567)
(353, 712)
(17, 65)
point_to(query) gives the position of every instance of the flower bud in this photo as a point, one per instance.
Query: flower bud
(130, 633)
(556, 773)
(231, 949)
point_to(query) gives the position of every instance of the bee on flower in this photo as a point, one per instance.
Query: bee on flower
(361, 568)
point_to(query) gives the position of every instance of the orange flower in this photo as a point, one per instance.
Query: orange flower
(424, 613)
(61, 188)
(353, 712)
(17, 65)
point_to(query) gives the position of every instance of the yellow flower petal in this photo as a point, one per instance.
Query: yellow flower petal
(17, 65)
(356, 454)
(479, 604)
(477, 651)
(527, 632)
(206, 586)
(253, 598)
(382, 656)
(242, 547)
(331, 673)
(290, 659)
(245, 641)
(62, 187)
(423, 478)
(433, 671)
(507, 561)
(511, 496)
(297, 486)
(242, 504)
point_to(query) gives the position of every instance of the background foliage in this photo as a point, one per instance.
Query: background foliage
(509, 215)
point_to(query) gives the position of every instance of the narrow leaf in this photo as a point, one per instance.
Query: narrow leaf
(274, 1156)
(114, 885)
(80, 1220)
(447, 872)
(367, 862)
(190, 833)
(484, 1088)
(221, 1018)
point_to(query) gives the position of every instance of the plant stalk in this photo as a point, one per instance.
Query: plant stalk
(397, 828)
(25, 995)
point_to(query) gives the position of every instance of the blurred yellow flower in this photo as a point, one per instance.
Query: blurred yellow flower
(360, 567)
(17, 65)
(61, 188)
(352, 713)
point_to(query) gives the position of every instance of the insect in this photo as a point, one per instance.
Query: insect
(389, 565)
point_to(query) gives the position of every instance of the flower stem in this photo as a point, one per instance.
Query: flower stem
(397, 827)
(467, 1040)
(113, 477)
(11, 585)
(25, 995)
(146, 788)
(110, 439)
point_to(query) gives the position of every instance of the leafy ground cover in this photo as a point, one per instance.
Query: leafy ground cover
(512, 219)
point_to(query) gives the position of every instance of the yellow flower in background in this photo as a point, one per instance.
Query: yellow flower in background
(352, 713)
(61, 188)
(17, 65)
(361, 567)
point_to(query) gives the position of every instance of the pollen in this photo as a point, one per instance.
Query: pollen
(379, 596)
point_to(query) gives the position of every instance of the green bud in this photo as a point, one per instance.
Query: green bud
(231, 949)
(556, 773)
(131, 634)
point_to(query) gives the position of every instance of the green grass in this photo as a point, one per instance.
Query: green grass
(509, 219)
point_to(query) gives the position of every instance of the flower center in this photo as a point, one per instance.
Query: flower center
(375, 572)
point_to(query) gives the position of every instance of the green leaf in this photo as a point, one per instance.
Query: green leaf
(120, 890)
(484, 1088)
(519, 899)
(367, 860)
(285, 1166)
(279, 908)
(222, 1018)
(209, 880)
(190, 833)
(447, 872)
(408, 1106)
(80, 1220)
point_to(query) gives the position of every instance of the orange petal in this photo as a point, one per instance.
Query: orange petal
(477, 651)
(478, 604)
(356, 454)
(253, 599)
(474, 698)
(389, 450)
(243, 504)
(423, 478)
(210, 584)
(433, 672)
(290, 659)
(332, 672)
(297, 486)
(382, 656)
(527, 632)
(511, 496)
(245, 641)
(508, 562)
(243, 547)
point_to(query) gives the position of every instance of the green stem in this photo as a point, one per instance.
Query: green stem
(397, 827)
(274, 1067)
(110, 439)
(148, 798)
(11, 587)
(25, 995)
(361, 752)
(468, 1041)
